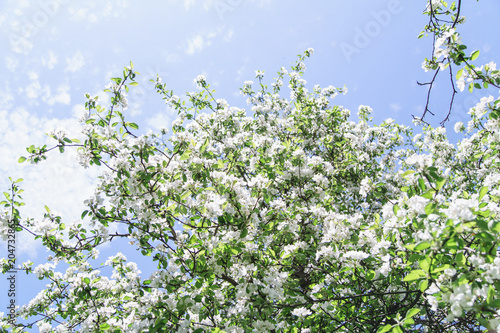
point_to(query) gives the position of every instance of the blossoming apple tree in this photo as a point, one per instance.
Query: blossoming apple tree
(292, 219)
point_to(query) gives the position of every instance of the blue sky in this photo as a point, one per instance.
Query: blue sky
(52, 52)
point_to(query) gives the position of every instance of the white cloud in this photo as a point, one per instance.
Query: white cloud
(11, 63)
(159, 121)
(18, 43)
(486, 47)
(82, 14)
(242, 70)
(261, 3)
(76, 62)
(6, 98)
(396, 107)
(201, 41)
(61, 95)
(188, 4)
(229, 34)
(196, 44)
(50, 60)
(60, 182)
(136, 99)
(21, 22)
(207, 4)
(171, 58)
(78, 111)
(34, 88)
(23, 3)
(32, 75)
(94, 11)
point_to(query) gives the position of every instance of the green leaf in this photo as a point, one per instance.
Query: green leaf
(491, 295)
(430, 208)
(185, 156)
(423, 285)
(410, 247)
(460, 259)
(425, 263)
(185, 195)
(204, 146)
(415, 275)
(370, 275)
(244, 233)
(409, 321)
(429, 194)
(384, 329)
(133, 84)
(408, 172)
(410, 313)
(442, 268)
(440, 182)
(104, 327)
(474, 55)
(21, 159)
(482, 192)
(422, 246)
(496, 227)
(133, 125)
(459, 73)
(421, 184)
(397, 329)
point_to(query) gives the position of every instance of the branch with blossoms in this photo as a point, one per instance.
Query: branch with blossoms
(448, 50)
